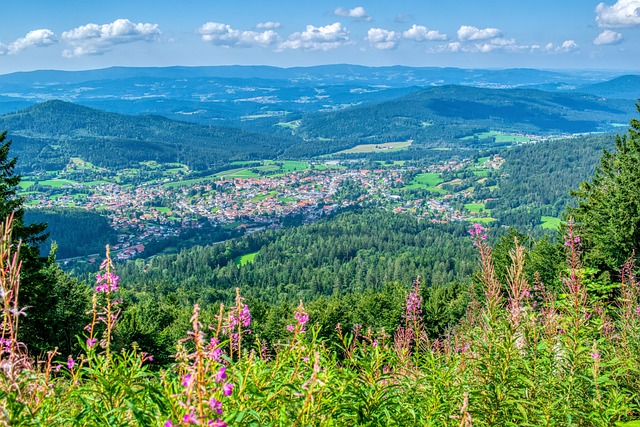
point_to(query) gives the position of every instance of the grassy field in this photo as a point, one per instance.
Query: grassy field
(499, 137)
(26, 184)
(377, 148)
(245, 259)
(474, 207)
(426, 181)
(290, 125)
(482, 220)
(550, 222)
(56, 183)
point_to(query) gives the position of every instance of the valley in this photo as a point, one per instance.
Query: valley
(158, 201)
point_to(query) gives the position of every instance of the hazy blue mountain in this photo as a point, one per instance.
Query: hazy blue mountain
(623, 87)
(211, 95)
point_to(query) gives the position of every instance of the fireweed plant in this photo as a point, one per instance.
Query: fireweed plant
(521, 356)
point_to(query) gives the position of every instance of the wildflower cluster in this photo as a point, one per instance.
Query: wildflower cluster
(301, 317)
(204, 382)
(104, 307)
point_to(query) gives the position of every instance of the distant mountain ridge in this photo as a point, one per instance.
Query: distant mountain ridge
(442, 116)
(46, 135)
(237, 94)
(623, 87)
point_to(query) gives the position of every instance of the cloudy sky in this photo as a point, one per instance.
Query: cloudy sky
(554, 34)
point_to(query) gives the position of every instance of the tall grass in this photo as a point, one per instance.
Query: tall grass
(522, 356)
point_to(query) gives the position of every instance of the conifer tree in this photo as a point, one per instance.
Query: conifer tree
(54, 303)
(608, 206)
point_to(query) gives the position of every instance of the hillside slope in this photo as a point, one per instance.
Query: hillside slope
(46, 135)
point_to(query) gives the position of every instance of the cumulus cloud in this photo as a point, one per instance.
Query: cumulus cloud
(318, 38)
(357, 13)
(608, 37)
(421, 33)
(268, 25)
(498, 44)
(94, 39)
(623, 13)
(382, 39)
(566, 47)
(223, 35)
(467, 32)
(35, 38)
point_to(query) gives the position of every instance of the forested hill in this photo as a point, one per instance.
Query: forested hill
(443, 115)
(536, 179)
(623, 87)
(46, 135)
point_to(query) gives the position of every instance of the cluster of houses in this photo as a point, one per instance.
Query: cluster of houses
(157, 211)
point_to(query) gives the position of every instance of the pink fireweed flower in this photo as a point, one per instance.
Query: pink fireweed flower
(213, 351)
(216, 423)
(301, 317)
(477, 230)
(245, 316)
(290, 328)
(227, 389)
(215, 405)
(595, 356)
(190, 418)
(71, 363)
(413, 309)
(187, 380)
(168, 423)
(107, 282)
(91, 342)
(221, 375)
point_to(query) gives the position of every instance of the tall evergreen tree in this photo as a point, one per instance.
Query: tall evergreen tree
(48, 321)
(608, 208)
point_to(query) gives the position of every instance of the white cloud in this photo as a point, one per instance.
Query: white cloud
(94, 39)
(318, 38)
(268, 25)
(421, 33)
(498, 44)
(608, 37)
(467, 32)
(623, 13)
(382, 39)
(566, 47)
(223, 35)
(35, 38)
(357, 13)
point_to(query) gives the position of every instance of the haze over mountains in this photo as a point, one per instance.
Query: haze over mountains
(253, 112)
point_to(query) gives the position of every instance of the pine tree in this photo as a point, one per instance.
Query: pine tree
(608, 207)
(48, 321)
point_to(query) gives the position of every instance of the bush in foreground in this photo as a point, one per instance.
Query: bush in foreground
(522, 357)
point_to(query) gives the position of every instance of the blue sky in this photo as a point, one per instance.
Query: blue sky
(552, 34)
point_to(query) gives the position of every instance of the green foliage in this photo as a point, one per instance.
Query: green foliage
(76, 232)
(566, 360)
(56, 302)
(608, 206)
(47, 135)
(536, 178)
(455, 112)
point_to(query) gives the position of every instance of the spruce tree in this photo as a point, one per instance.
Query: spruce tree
(608, 207)
(54, 303)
